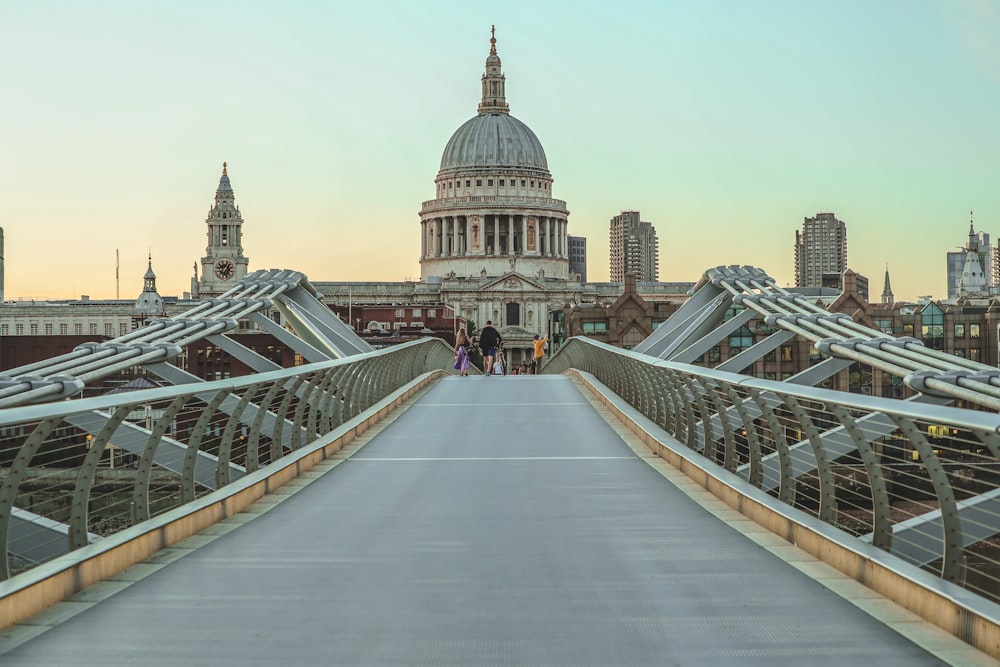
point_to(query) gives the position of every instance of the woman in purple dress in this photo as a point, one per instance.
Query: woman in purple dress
(462, 346)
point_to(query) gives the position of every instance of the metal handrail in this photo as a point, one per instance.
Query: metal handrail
(918, 479)
(158, 448)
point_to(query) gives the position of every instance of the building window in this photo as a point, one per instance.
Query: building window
(468, 183)
(78, 329)
(48, 329)
(741, 340)
(18, 329)
(960, 330)
(932, 326)
(715, 355)
(400, 312)
(108, 331)
(885, 326)
(63, 329)
(974, 353)
(122, 329)
(522, 182)
(595, 328)
(479, 182)
(34, 329)
(973, 331)
(501, 182)
(416, 312)
(4, 329)
(431, 314)
(786, 352)
(960, 353)
(489, 182)
(93, 328)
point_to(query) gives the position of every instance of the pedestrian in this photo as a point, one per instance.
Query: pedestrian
(489, 341)
(536, 362)
(524, 367)
(462, 347)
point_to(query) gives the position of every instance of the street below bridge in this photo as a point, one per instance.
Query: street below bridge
(489, 521)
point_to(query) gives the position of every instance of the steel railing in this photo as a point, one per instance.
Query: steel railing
(74, 471)
(914, 477)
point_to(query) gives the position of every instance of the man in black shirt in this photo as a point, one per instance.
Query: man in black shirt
(489, 340)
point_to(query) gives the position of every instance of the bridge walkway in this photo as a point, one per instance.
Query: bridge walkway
(492, 521)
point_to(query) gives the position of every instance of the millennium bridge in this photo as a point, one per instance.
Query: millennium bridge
(621, 508)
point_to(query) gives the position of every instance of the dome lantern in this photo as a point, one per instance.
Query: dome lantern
(494, 97)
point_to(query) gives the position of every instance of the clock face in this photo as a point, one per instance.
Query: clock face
(225, 269)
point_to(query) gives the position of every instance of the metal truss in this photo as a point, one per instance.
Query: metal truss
(316, 334)
(313, 332)
(789, 436)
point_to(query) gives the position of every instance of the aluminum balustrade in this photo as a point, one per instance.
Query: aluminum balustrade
(74, 471)
(917, 479)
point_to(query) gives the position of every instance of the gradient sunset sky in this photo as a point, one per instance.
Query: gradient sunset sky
(724, 122)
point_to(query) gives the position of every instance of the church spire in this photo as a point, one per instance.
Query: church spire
(887, 296)
(494, 97)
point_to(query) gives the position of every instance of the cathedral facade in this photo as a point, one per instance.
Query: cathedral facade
(494, 242)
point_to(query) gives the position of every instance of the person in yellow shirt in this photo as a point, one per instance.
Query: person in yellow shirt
(536, 362)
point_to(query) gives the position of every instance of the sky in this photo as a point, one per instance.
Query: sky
(725, 122)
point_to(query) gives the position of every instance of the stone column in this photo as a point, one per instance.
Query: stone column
(454, 237)
(524, 235)
(496, 234)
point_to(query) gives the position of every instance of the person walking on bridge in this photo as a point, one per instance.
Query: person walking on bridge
(462, 348)
(489, 340)
(536, 362)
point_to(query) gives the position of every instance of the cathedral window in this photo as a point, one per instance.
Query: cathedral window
(532, 184)
(468, 184)
(522, 182)
(93, 328)
(19, 329)
(479, 182)
(501, 182)
(489, 182)
(48, 329)
(4, 329)
(34, 329)
(63, 329)
(108, 330)
(78, 329)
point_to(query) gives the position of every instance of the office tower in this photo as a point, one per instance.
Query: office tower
(634, 247)
(820, 248)
(989, 260)
(578, 256)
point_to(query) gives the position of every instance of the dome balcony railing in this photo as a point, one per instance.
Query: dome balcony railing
(493, 201)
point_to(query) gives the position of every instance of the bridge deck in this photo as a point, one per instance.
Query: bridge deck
(496, 521)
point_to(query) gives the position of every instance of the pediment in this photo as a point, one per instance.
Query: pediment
(512, 281)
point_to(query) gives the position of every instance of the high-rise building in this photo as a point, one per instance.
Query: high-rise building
(989, 261)
(634, 247)
(578, 256)
(820, 248)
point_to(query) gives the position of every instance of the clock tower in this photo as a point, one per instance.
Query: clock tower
(224, 263)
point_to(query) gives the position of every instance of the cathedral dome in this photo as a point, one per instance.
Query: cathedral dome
(493, 140)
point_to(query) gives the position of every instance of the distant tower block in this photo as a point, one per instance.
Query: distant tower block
(820, 248)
